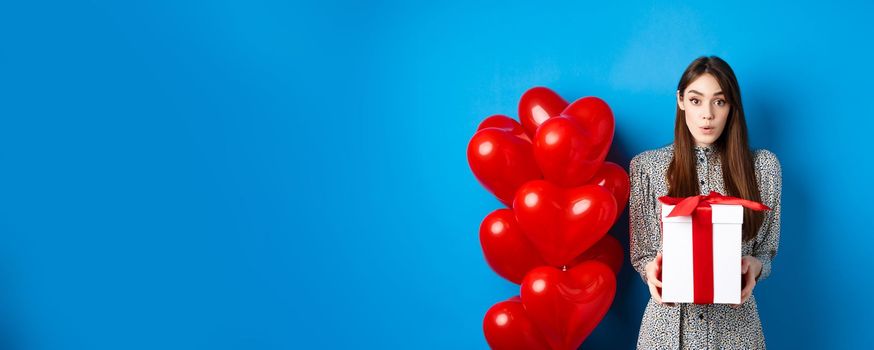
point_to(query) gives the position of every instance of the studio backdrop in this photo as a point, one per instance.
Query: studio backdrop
(293, 175)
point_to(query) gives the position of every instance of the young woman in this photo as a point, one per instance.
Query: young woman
(710, 152)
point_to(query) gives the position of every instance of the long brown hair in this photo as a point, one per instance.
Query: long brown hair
(732, 145)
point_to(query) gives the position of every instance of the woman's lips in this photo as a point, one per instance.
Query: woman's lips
(706, 130)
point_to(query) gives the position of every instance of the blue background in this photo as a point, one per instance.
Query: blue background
(266, 175)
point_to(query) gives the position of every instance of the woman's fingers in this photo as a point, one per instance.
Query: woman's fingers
(744, 296)
(652, 279)
(748, 291)
(655, 293)
(748, 288)
(652, 271)
(749, 282)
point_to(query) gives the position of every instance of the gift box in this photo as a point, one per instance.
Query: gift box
(701, 248)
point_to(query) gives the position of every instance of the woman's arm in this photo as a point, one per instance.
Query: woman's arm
(766, 245)
(643, 224)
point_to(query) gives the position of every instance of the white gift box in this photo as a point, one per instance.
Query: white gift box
(678, 258)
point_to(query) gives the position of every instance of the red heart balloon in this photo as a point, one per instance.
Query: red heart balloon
(595, 116)
(614, 178)
(501, 157)
(507, 327)
(505, 247)
(537, 105)
(608, 251)
(567, 305)
(504, 122)
(563, 223)
(509, 253)
(571, 147)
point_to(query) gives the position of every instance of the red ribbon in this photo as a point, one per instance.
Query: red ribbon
(702, 235)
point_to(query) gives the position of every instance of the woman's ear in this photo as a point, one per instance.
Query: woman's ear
(680, 101)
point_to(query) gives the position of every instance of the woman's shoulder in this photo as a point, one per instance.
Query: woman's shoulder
(653, 157)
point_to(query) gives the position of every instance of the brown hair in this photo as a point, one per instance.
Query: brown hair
(732, 146)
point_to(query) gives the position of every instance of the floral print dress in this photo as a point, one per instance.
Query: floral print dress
(692, 326)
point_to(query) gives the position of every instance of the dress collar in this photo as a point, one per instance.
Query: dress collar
(705, 149)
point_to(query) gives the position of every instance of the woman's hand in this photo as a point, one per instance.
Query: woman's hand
(653, 275)
(750, 268)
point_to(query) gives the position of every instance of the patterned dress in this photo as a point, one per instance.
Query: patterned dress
(692, 326)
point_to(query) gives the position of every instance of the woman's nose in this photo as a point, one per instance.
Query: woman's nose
(708, 113)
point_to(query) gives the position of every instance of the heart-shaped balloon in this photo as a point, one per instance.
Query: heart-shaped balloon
(614, 179)
(567, 305)
(501, 157)
(562, 223)
(506, 123)
(537, 105)
(507, 327)
(595, 115)
(506, 249)
(571, 147)
(509, 253)
(608, 251)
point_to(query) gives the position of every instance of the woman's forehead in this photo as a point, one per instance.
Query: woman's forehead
(705, 85)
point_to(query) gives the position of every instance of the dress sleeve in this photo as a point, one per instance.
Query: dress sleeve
(768, 239)
(643, 223)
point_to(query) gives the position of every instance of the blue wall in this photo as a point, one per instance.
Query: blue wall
(265, 175)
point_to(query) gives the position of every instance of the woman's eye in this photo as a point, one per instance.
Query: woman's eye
(720, 103)
(694, 101)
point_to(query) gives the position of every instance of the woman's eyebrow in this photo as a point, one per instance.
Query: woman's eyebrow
(696, 92)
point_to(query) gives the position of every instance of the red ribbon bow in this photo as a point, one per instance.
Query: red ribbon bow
(702, 235)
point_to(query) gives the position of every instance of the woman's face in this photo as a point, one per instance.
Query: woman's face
(706, 109)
